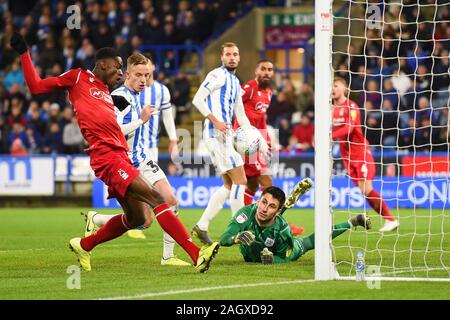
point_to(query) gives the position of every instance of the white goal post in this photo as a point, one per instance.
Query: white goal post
(394, 56)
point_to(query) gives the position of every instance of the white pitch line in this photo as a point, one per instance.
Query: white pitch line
(236, 286)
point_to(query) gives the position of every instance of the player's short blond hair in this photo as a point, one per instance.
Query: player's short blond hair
(227, 45)
(341, 80)
(136, 59)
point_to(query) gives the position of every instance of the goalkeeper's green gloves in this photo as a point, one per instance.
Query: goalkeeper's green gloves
(266, 256)
(245, 237)
(18, 43)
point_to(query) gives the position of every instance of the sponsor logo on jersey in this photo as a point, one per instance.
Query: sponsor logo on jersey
(269, 242)
(241, 218)
(101, 95)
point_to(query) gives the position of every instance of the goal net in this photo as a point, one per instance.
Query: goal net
(394, 57)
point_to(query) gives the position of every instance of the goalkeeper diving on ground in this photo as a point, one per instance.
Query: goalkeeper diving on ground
(264, 235)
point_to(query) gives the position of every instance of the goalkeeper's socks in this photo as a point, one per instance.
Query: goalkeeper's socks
(173, 226)
(237, 197)
(215, 204)
(168, 241)
(377, 203)
(248, 197)
(115, 227)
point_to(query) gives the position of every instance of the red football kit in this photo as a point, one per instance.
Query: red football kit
(256, 100)
(94, 110)
(355, 149)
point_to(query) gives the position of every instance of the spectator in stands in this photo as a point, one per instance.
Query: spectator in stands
(389, 93)
(180, 95)
(17, 115)
(305, 100)
(53, 115)
(70, 61)
(279, 109)
(284, 132)
(3, 147)
(389, 124)
(49, 55)
(303, 136)
(72, 139)
(35, 120)
(204, 19)
(53, 140)
(34, 138)
(66, 117)
(14, 76)
(372, 94)
(372, 124)
(18, 140)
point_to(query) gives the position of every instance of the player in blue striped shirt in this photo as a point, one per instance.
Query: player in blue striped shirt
(219, 99)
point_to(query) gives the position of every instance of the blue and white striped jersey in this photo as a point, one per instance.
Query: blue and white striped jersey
(158, 96)
(139, 151)
(225, 89)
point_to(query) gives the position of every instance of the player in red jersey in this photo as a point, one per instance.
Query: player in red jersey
(94, 108)
(355, 151)
(256, 97)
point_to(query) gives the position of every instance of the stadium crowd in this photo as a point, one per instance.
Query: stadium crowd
(401, 86)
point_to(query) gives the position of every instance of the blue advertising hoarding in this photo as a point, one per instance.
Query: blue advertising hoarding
(397, 192)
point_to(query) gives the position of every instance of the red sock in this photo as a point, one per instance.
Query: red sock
(114, 228)
(248, 197)
(378, 204)
(173, 226)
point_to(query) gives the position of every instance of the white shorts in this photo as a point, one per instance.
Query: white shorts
(151, 171)
(153, 154)
(222, 154)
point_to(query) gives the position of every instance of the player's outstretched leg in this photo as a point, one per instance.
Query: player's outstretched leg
(83, 256)
(90, 227)
(206, 254)
(202, 235)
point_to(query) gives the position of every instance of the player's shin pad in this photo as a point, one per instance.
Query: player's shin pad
(300, 189)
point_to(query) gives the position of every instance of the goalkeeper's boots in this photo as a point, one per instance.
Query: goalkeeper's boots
(136, 234)
(206, 254)
(300, 189)
(174, 261)
(83, 256)
(390, 226)
(362, 220)
(90, 227)
(202, 235)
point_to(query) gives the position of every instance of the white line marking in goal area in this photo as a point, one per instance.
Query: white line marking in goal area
(236, 286)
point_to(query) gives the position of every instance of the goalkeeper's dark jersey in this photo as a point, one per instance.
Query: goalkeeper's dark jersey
(277, 238)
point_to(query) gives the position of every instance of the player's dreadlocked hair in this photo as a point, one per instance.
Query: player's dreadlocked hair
(277, 193)
(106, 53)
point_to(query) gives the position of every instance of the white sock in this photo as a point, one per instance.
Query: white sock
(215, 204)
(169, 242)
(237, 197)
(101, 219)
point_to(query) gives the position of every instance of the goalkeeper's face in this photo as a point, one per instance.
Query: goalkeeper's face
(268, 207)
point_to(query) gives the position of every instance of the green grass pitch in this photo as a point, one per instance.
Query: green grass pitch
(34, 262)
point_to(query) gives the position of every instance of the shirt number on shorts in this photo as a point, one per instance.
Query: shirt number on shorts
(153, 165)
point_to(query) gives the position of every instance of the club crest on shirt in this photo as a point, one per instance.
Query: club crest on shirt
(241, 218)
(269, 242)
